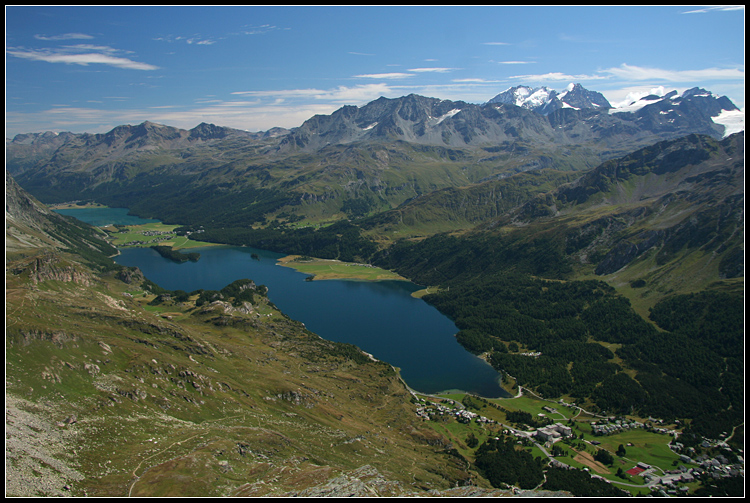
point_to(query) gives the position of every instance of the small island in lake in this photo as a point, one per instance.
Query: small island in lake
(175, 255)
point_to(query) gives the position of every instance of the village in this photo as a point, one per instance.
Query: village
(676, 481)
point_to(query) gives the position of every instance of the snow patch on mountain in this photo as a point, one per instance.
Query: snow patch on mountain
(450, 113)
(524, 96)
(732, 120)
(634, 106)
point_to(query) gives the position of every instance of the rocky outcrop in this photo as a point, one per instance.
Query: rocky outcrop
(625, 252)
(51, 267)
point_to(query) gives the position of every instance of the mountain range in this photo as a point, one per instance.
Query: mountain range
(381, 154)
(609, 240)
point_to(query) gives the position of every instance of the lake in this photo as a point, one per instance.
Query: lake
(102, 217)
(380, 317)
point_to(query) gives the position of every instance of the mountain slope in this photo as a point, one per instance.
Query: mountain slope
(628, 282)
(106, 397)
(370, 158)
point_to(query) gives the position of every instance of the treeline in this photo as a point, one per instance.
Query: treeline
(175, 255)
(342, 240)
(579, 483)
(501, 463)
(502, 292)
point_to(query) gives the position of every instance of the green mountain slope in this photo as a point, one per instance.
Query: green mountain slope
(109, 396)
(582, 273)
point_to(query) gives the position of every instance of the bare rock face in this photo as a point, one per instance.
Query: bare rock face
(49, 267)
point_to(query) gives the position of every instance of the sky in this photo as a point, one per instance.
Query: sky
(90, 69)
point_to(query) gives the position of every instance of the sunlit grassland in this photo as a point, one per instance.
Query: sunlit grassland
(335, 269)
(155, 410)
(648, 447)
(136, 233)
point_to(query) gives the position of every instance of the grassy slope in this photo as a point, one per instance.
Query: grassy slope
(258, 403)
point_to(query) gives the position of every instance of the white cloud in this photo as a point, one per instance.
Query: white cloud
(631, 72)
(557, 76)
(70, 55)
(476, 81)
(495, 43)
(395, 75)
(515, 62)
(435, 70)
(341, 94)
(715, 8)
(259, 30)
(64, 36)
(195, 39)
(619, 98)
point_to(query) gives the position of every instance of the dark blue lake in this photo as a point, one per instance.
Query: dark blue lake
(101, 217)
(380, 317)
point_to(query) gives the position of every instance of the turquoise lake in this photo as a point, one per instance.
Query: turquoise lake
(380, 317)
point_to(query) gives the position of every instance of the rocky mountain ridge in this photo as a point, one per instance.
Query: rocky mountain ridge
(544, 101)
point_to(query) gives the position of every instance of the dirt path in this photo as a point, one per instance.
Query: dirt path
(587, 459)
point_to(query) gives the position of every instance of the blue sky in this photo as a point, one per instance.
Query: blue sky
(89, 69)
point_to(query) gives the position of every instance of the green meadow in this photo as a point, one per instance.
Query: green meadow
(335, 269)
(163, 235)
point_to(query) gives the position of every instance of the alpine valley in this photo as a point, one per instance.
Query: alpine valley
(591, 254)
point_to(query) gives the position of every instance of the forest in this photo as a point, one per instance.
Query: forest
(503, 293)
(501, 463)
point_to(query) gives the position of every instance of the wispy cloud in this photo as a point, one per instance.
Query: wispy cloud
(515, 62)
(341, 94)
(627, 72)
(259, 30)
(434, 70)
(64, 36)
(360, 53)
(558, 76)
(82, 58)
(194, 39)
(395, 75)
(715, 8)
(631, 72)
(81, 54)
(476, 81)
(495, 43)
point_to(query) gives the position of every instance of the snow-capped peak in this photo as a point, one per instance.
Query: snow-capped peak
(524, 96)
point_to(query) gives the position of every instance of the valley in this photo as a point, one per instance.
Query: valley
(590, 256)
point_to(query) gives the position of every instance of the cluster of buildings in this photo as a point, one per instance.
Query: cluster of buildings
(553, 432)
(428, 410)
(156, 233)
(156, 240)
(617, 426)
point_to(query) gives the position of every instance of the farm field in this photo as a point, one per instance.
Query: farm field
(151, 234)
